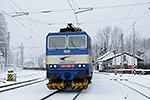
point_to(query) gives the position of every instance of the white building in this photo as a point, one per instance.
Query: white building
(123, 60)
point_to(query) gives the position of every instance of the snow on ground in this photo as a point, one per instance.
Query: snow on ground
(103, 87)
(22, 75)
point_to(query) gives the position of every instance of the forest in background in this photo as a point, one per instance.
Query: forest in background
(112, 38)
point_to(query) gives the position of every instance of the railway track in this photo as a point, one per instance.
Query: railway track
(51, 94)
(139, 84)
(118, 80)
(77, 94)
(20, 84)
(139, 92)
(131, 82)
(28, 75)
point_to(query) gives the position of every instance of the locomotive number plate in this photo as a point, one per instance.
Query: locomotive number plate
(67, 66)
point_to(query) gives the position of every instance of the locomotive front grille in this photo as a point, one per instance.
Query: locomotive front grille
(67, 75)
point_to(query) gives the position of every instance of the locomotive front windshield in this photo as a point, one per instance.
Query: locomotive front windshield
(77, 42)
(57, 42)
(71, 41)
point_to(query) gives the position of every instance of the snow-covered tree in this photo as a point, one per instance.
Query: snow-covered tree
(41, 61)
(108, 39)
(4, 45)
(144, 50)
(142, 47)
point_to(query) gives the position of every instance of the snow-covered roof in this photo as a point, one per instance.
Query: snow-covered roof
(106, 54)
(119, 54)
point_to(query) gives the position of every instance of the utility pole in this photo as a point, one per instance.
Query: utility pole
(122, 50)
(8, 49)
(96, 57)
(17, 60)
(115, 61)
(22, 55)
(134, 47)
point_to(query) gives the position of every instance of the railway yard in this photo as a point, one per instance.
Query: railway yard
(31, 85)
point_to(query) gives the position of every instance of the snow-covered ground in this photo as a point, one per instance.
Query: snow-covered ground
(21, 75)
(104, 86)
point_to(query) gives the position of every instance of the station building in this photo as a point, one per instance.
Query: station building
(123, 61)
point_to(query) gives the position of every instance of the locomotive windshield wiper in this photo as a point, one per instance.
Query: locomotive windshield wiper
(54, 45)
(73, 45)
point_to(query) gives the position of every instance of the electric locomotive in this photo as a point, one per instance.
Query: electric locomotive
(68, 58)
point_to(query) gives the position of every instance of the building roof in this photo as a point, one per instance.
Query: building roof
(104, 58)
(106, 54)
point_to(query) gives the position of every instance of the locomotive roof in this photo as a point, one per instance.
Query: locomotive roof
(71, 28)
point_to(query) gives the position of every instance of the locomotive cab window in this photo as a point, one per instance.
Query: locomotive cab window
(56, 42)
(77, 41)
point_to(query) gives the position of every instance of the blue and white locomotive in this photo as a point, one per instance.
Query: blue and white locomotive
(68, 58)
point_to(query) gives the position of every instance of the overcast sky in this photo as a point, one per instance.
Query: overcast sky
(31, 30)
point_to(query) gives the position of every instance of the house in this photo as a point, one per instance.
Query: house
(121, 60)
(100, 59)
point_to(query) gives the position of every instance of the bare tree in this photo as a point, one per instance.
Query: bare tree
(116, 40)
(129, 43)
(108, 39)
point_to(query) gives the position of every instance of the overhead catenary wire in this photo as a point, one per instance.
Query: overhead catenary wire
(128, 13)
(11, 5)
(103, 20)
(120, 6)
(95, 8)
(137, 20)
(22, 25)
(27, 16)
(44, 22)
(73, 12)
(73, 9)
(26, 28)
(145, 29)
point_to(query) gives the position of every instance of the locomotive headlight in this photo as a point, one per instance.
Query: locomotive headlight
(84, 65)
(66, 51)
(50, 66)
(79, 65)
(55, 66)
